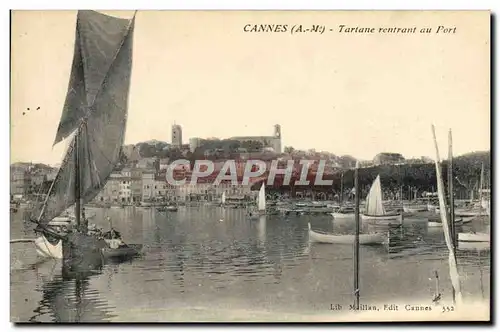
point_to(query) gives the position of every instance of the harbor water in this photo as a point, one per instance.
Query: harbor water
(199, 262)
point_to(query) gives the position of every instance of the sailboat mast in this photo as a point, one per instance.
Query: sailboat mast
(341, 188)
(356, 237)
(481, 180)
(77, 180)
(454, 276)
(451, 200)
(450, 188)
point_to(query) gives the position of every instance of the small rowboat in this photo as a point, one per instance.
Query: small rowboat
(473, 237)
(414, 209)
(387, 218)
(365, 239)
(474, 246)
(436, 222)
(122, 252)
(342, 215)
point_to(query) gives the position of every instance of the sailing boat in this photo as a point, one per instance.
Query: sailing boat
(447, 227)
(261, 204)
(374, 210)
(95, 113)
(366, 239)
(223, 199)
(342, 212)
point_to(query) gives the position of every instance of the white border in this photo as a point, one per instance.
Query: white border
(493, 5)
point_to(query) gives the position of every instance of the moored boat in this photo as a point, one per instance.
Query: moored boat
(414, 208)
(364, 239)
(94, 114)
(261, 204)
(343, 213)
(436, 222)
(473, 237)
(171, 208)
(374, 209)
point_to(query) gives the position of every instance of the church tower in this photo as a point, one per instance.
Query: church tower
(277, 138)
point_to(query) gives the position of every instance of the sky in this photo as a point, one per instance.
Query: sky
(345, 93)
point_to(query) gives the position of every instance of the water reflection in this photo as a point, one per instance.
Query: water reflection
(210, 257)
(67, 297)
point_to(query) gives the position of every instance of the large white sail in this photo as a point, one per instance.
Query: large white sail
(455, 279)
(262, 198)
(374, 204)
(95, 108)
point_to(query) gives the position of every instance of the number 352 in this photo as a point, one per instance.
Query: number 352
(448, 308)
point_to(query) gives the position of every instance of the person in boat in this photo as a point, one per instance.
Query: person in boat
(84, 223)
(112, 234)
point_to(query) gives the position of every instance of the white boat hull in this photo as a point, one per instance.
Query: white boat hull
(364, 239)
(382, 219)
(431, 207)
(47, 250)
(338, 216)
(414, 209)
(473, 237)
(473, 245)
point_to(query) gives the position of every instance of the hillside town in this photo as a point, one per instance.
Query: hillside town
(141, 175)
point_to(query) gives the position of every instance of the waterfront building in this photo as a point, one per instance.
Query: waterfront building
(273, 141)
(388, 158)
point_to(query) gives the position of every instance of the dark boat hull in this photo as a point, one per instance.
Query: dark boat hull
(81, 251)
(124, 252)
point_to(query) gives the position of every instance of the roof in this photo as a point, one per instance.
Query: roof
(255, 138)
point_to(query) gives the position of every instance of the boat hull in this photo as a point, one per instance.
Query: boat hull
(389, 218)
(364, 239)
(46, 249)
(473, 237)
(121, 252)
(473, 245)
(62, 219)
(431, 207)
(408, 209)
(339, 216)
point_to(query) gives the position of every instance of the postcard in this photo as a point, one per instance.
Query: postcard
(250, 166)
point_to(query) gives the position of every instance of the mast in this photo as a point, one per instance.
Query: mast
(451, 199)
(341, 188)
(481, 184)
(77, 180)
(356, 238)
(454, 276)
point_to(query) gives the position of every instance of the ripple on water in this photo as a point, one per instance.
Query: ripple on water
(191, 259)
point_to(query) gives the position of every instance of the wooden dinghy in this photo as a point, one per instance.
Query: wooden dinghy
(364, 239)
(414, 208)
(473, 237)
(473, 246)
(343, 213)
(436, 222)
(123, 251)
